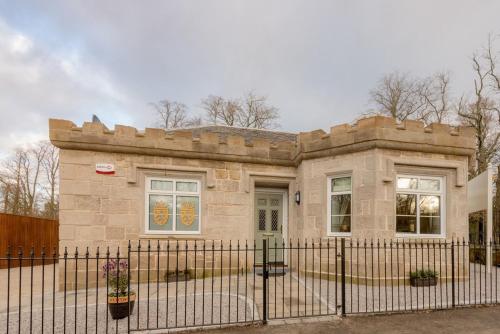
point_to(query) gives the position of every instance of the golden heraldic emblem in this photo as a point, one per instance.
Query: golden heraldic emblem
(160, 213)
(187, 213)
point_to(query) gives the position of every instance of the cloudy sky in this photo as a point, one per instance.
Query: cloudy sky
(315, 60)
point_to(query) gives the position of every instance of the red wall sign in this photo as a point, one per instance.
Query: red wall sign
(107, 169)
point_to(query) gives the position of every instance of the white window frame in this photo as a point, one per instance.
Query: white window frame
(174, 193)
(329, 206)
(442, 214)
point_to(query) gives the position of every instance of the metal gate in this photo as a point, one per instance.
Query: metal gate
(188, 284)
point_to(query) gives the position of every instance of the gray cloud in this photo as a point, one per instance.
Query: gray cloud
(315, 60)
(36, 83)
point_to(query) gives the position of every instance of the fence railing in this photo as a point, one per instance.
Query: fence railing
(188, 284)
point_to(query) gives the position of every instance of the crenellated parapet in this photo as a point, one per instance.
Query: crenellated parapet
(367, 133)
(185, 143)
(384, 132)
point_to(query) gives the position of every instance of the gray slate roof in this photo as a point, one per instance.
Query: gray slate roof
(248, 134)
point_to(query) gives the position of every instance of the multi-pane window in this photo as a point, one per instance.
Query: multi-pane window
(419, 205)
(172, 206)
(339, 204)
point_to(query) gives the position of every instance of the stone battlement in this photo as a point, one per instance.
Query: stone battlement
(371, 132)
(385, 132)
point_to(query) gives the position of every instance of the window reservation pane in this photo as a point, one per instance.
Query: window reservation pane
(406, 213)
(160, 212)
(188, 218)
(161, 185)
(274, 220)
(186, 186)
(341, 224)
(406, 224)
(407, 183)
(341, 184)
(262, 220)
(429, 184)
(430, 210)
(429, 205)
(275, 202)
(430, 225)
(406, 204)
(341, 204)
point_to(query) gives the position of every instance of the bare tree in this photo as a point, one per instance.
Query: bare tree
(257, 113)
(435, 91)
(491, 57)
(173, 115)
(253, 111)
(31, 170)
(50, 165)
(13, 195)
(29, 181)
(5, 193)
(481, 113)
(221, 111)
(399, 96)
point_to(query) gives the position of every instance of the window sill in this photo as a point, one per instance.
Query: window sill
(173, 236)
(420, 236)
(339, 235)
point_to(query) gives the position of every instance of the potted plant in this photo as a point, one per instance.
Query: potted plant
(120, 302)
(423, 277)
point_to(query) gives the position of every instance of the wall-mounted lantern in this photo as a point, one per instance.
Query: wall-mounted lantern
(297, 197)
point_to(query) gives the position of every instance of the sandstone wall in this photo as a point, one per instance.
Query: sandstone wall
(374, 190)
(104, 210)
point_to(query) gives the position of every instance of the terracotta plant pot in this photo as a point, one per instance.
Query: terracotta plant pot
(119, 306)
(429, 281)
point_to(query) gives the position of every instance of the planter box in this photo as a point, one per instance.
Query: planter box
(171, 276)
(119, 306)
(431, 281)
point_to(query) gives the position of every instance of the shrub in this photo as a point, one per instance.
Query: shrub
(423, 273)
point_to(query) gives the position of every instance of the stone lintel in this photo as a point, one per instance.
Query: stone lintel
(460, 172)
(132, 175)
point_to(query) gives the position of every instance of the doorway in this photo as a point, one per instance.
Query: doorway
(270, 221)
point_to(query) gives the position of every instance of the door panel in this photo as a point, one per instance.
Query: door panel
(269, 223)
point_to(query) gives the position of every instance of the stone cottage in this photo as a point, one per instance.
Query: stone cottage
(374, 179)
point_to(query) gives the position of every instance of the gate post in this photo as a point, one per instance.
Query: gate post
(265, 276)
(342, 272)
(452, 273)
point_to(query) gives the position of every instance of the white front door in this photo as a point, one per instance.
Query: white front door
(269, 217)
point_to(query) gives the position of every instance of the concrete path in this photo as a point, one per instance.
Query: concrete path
(483, 320)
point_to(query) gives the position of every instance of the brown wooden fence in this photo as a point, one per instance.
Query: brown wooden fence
(26, 233)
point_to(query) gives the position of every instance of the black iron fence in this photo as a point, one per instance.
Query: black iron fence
(188, 284)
